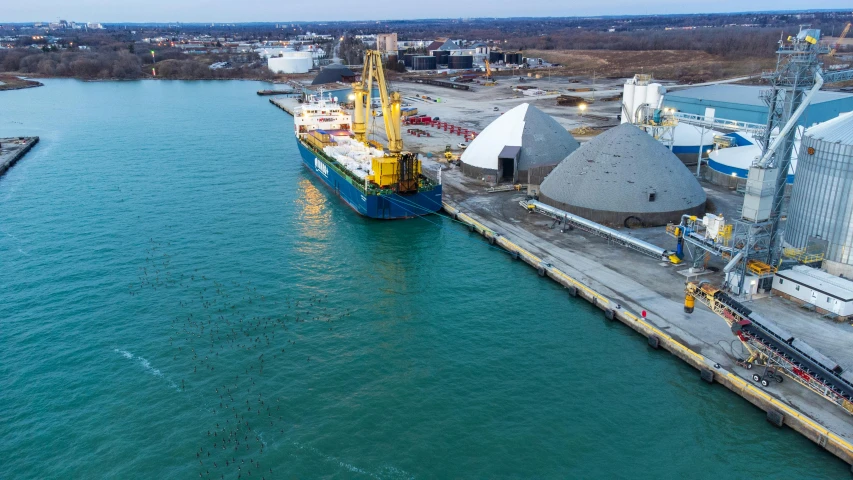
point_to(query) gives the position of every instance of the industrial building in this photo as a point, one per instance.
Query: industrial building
(386, 42)
(824, 292)
(624, 177)
(744, 103)
(822, 196)
(519, 140)
(334, 72)
(291, 62)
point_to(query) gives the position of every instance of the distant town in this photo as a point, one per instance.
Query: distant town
(731, 43)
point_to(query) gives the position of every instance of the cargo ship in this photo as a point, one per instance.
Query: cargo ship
(375, 182)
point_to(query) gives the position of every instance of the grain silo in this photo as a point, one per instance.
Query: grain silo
(624, 177)
(822, 196)
(522, 140)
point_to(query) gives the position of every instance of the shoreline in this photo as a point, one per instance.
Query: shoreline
(17, 82)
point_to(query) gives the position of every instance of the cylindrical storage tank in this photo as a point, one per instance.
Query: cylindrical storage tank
(407, 59)
(424, 62)
(628, 102)
(461, 62)
(822, 196)
(291, 62)
(653, 94)
(512, 58)
(496, 57)
(441, 56)
(639, 97)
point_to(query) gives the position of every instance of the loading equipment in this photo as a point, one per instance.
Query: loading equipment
(772, 347)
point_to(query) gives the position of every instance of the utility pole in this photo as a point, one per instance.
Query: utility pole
(593, 85)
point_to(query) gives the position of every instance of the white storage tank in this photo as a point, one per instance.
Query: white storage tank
(822, 197)
(729, 167)
(639, 97)
(628, 102)
(654, 94)
(291, 62)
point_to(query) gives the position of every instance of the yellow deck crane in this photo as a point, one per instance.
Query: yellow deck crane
(840, 39)
(397, 169)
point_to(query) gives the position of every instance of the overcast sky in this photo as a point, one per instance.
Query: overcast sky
(117, 11)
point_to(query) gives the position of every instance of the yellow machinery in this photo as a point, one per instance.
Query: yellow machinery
(397, 169)
(448, 153)
(840, 39)
(490, 82)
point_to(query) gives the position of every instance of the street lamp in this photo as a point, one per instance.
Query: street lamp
(582, 107)
(152, 57)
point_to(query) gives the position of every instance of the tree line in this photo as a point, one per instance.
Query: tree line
(127, 62)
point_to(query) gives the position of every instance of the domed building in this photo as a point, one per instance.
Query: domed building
(519, 140)
(624, 177)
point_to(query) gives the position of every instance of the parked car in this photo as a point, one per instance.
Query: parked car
(463, 146)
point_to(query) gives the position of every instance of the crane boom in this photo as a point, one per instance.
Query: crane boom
(390, 103)
(840, 39)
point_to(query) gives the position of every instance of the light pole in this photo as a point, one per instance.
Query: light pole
(153, 60)
(582, 107)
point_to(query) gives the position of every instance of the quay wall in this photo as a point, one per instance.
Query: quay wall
(777, 411)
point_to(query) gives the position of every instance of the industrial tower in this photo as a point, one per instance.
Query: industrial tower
(798, 77)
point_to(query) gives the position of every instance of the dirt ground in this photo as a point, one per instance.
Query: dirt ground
(681, 65)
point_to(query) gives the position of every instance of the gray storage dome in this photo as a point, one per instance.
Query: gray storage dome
(334, 72)
(620, 174)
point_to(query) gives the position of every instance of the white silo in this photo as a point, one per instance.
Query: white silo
(654, 94)
(639, 98)
(628, 102)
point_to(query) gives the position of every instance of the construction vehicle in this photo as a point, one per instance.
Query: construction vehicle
(490, 81)
(448, 153)
(774, 348)
(840, 39)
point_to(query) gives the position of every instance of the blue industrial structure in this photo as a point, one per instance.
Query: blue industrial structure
(744, 103)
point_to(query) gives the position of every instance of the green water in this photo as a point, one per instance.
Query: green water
(168, 270)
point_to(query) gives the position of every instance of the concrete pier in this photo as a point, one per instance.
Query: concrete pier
(13, 149)
(285, 104)
(778, 411)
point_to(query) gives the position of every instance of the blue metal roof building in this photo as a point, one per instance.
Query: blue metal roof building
(744, 103)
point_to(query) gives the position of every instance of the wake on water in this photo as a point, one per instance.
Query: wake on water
(385, 471)
(146, 365)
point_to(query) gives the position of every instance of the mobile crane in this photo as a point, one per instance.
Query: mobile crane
(490, 81)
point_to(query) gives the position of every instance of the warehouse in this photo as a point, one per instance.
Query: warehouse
(811, 287)
(520, 139)
(624, 177)
(743, 103)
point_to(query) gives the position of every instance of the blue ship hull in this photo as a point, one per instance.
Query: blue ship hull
(385, 206)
